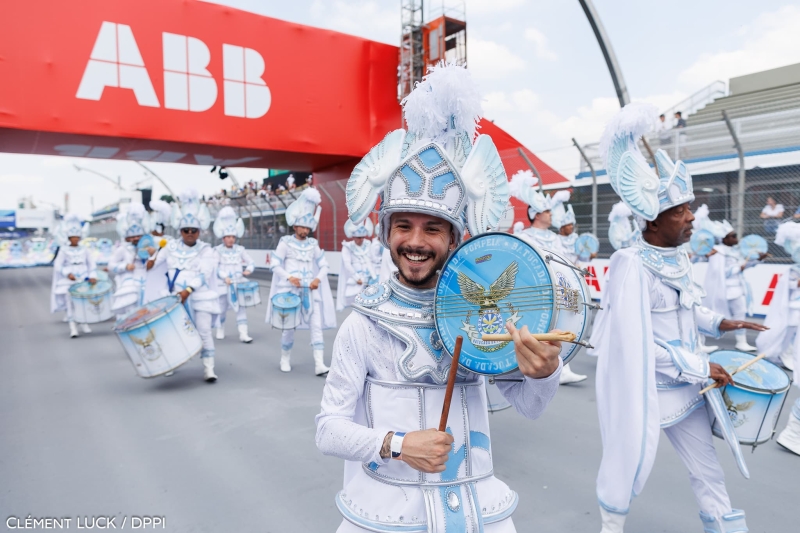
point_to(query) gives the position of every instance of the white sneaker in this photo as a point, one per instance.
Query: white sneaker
(319, 364)
(243, 336)
(86, 328)
(790, 436)
(743, 346)
(709, 349)
(170, 373)
(220, 333)
(208, 369)
(73, 330)
(787, 360)
(568, 376)
(286, 356)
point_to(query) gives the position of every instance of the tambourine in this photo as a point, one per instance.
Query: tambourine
(702, 242)
(497, 278)
(145, 242)
(586, 246)
(752, 246)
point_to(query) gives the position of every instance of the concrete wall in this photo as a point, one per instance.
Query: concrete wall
(767, 79)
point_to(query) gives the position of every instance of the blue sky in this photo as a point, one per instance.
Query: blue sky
(537, 62)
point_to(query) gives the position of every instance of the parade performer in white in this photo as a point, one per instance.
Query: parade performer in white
(300, 267)
(129, 269)
(356, 270)
(727, 291)
(383, 396)
(73, 264)
(234, 264)
(650, 368)
(562, 218)
(191, 272)
(539, 233)
(781, 342)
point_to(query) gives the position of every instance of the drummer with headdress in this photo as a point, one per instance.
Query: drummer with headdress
(126, 263)
(191, 271)
(434, 182)
(650, 369)
(781, 342)
(300, 268)
(234, 264)
(727, 290)
(73, 263)
(356, 270)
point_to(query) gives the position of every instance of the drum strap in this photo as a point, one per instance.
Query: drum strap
(171, 282)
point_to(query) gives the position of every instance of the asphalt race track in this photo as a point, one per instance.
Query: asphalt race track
(83, 436)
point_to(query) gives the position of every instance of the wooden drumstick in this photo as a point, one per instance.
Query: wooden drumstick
(750, 362)
(451, 381)
(563, 337)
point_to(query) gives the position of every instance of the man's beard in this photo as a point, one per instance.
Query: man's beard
(423, 278)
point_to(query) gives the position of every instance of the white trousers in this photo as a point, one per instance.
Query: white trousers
(315, 324)
(202, 321)
(504, 526)
(738, 311)
(241, 314)
(693, 441)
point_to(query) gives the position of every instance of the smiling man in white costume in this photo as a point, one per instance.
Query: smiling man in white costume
(401, 473)
(299, 267)
(73, 263)
(356, 270)
(234, 264)
(651, 368)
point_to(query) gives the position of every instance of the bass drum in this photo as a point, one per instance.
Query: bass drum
(495, 278)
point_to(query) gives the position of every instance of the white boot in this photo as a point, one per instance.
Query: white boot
(243, 336)
(742, 345)
(709, 349)
(208, 369)
(86, 328)
(787, 359)
(73, 329)
(612, 522)
(319, 364)
(568, 376)
(286, 356)
(220, 333)
(790, 436)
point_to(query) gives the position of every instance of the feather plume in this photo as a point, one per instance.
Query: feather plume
(635, 119)
(522, 180)
(312, 195)
(560, 197)
(788, 233)
(189, 195)
(619, 211)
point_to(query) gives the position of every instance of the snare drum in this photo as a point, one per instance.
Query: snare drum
(158, 337)
(756, 398)
(496, 277)
(285, 311)
(91, 303)
(249, 293)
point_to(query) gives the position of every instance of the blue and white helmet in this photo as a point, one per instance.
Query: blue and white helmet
(71, 226)
(133, 221)
(192, 213)
(227, 223)
(646, 192)
(305, 211)
(562, 213)
(434, 168)
(353, 230)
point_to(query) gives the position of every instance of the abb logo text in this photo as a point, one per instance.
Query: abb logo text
(115, 61)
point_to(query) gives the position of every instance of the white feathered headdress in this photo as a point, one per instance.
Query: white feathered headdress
(133, 221)
(620, 232)
(562, 213)
(518, 227)
(645, 192)
(353, 230)
(434, 168)
(161, 213)
(71, 226)
(305, 211)
(227, 223)
(191, 213)
(522, 187)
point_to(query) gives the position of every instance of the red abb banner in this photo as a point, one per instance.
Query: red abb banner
(190, 82)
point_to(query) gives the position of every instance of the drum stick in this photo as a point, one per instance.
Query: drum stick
(563, 337)
(451, 381)
(750, 362)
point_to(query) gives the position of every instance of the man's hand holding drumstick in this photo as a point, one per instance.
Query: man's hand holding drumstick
(536, 359)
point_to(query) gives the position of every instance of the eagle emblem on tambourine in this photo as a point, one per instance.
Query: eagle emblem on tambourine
(489, 316)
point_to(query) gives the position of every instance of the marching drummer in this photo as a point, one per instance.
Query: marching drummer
(650, 369)
(356, 271)
(389, 371)
(73, 264)
(129, 268)
(539, 234)
(300, 268)
(234, 264)
(190, 274)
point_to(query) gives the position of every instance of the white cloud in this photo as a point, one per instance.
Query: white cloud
(490, 60)
(771, 41)
(540, 44)
(370, 19)
(492, 6)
